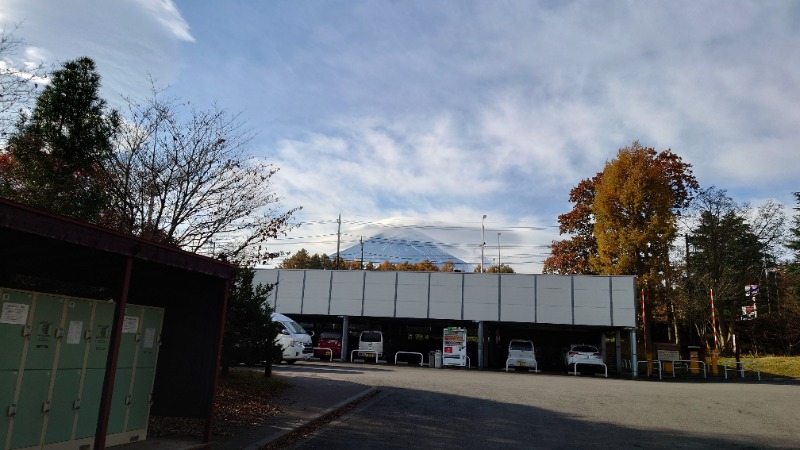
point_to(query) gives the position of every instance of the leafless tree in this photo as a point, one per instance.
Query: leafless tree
(18, 86)
(769, 224)
(182, 176)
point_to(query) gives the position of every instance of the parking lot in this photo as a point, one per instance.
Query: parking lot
(439, 408)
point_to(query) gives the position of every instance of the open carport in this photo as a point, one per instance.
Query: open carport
(412, 308)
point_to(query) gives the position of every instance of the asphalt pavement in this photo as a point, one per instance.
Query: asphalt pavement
(335, 405)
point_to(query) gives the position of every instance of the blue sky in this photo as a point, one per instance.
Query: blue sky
(436, 113)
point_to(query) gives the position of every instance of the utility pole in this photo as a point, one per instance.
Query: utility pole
(483, 241)
(498, 253)
(362, 252)
(338, 239)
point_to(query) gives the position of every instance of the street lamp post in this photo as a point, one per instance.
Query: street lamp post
(498, 253)
(483, 241)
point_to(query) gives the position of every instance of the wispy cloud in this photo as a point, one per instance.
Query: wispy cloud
(445, 111)
(165, 12)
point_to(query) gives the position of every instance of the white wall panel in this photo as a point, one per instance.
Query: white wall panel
(554, 299)
(517, 298)
(379, 294)
(446, 295)
(290, 291)
(412, 294)
(592, 300)
(480, 297)
(523, 298)
(318, 288)
(266, 277)
(623, 291)
(348, 289)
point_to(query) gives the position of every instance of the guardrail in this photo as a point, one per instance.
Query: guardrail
(352, 354)
(421, 357)
(656, 362)
(329, 351)
(740, 367)
(575, 367)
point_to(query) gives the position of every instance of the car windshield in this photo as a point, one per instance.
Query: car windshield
(295, 327)
(521, 345)
(330, 335)
(584, 349)
(370, 336)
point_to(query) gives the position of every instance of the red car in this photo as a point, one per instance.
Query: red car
(329, 342)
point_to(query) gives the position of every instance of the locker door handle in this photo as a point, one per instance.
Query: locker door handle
(76, 405)
(46, 407)
(12, 410)
(128, 400)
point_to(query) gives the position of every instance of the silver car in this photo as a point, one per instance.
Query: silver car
(583, 354)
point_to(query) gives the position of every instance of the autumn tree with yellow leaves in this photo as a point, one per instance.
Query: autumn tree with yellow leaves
(624, 221)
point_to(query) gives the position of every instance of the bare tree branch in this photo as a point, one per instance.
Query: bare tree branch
(18, 86)
(183, 176)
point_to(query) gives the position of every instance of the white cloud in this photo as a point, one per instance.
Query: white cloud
(128, 40)
(168, 15)
(446, 111)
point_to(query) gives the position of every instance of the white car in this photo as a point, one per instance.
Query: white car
(521, 355)
(294, 340)
(582, 354)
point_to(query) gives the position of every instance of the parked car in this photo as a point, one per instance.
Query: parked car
(583, 354)
(521, 355)
(294, 340)
(329, 345)
(370, 340)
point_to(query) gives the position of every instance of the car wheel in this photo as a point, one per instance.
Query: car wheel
(291, 361)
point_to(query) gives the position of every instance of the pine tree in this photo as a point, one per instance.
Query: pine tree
(56, 156)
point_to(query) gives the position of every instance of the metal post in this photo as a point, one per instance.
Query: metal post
(498, 253)
(483, 241)
(111, 360)
(603, 347)
(338, 240)
(634, 361)
(345, 335)
(481, 334)
(618, 347)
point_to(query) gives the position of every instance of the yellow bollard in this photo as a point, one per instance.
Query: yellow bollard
(712, 363)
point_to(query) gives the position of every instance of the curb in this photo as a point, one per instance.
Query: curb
(286, 434)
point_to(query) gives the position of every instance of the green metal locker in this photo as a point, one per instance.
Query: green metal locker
(97, 353)
(53, 367)
(66, 390)
(8, 386)
(33, 401)
(92, 390)
(15, 308)
(121, 399)
(144, 375)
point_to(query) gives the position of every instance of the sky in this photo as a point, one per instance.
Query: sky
(431, 115)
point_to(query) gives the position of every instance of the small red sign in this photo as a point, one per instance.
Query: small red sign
(448, 349)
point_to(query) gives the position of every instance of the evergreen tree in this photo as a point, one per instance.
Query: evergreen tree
(794, 239)
(248, 328)
(725, 256)
(56, 156)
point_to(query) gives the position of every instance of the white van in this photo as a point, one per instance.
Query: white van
(521, 355)
(293, 339)
(372, 341)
